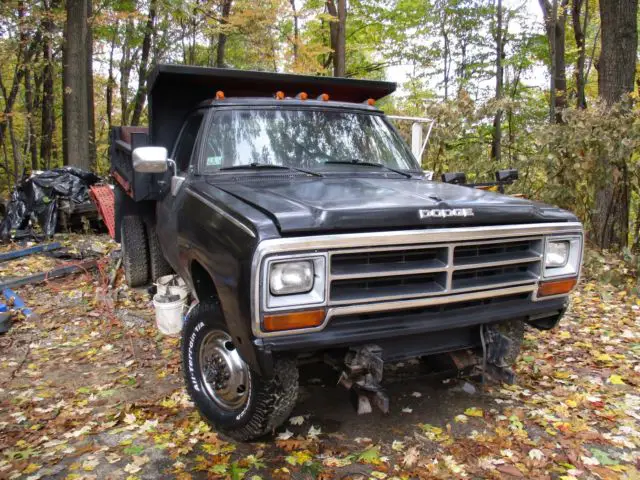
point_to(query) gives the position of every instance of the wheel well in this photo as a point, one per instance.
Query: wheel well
(202, 282)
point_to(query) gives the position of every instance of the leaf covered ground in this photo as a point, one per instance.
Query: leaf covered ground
(92, 390)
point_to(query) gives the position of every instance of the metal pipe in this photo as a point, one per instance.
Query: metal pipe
(18, 304)
(29, 251)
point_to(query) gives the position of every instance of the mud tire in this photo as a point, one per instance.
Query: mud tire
(135, 251)
(270, 400)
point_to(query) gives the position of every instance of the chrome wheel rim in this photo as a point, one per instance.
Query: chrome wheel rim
(224, 375)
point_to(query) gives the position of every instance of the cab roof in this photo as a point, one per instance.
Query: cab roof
(175, 90)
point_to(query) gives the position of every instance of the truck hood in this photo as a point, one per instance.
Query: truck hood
(364, 203)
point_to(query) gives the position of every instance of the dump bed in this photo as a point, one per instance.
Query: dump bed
(176, 90)
(138, 186)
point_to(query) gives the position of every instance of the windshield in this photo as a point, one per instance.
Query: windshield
(303, 138)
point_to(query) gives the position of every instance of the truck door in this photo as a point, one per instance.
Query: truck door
(184, 150)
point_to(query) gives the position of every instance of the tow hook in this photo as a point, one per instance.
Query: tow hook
(362, 375)
(495, 345)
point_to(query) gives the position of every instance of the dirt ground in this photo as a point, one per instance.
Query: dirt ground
(92, 390)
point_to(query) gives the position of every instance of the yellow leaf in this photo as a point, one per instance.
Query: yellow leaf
(616, 380)
(474, 412)
(571, 403)
(32, 467)
(603, 357)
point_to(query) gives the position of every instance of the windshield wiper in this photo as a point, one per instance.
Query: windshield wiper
(271, 165)
(355, 161)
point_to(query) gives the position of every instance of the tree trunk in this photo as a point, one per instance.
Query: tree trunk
(91, 123)
(222, 36)
(126, 63)
(31, 145)
(296, 31)
(143, 69)
(338, 35)
(616, 67)
(616, 77)
(48, 126)
(111, 81)
(579, 32)
(76, 121)
(496, 151)
(555, 19)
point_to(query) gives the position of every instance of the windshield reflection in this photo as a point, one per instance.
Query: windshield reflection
(303, 138)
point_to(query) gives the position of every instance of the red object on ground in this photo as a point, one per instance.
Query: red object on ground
(102, 196)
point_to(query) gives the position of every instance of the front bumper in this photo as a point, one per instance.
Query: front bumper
(417, 331)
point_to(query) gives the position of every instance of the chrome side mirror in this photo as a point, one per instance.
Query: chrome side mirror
(150, 159)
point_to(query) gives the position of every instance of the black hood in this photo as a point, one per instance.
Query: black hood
(364, 203)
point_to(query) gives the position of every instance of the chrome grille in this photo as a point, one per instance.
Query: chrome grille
(389, 273)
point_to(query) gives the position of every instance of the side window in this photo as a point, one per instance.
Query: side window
(184, 147)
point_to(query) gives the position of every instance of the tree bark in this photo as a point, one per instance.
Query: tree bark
(76, 136)
(555, 19)
(31, 146)
(143, 68)
(111, 81)
(616, 78)
(579, 32)
(48, 125)
(222, 36)
(338, 35)
(296, 31)
(91, 122)
(616, 67)
(496, 150)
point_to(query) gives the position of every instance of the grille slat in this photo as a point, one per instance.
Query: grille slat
(416, 271)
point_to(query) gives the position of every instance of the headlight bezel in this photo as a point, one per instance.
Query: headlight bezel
(280, 267)
(315, 296)
(571, 267)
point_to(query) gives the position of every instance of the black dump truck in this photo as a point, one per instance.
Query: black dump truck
(307, 231)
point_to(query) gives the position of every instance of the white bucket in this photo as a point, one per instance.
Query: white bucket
(169, 314)
(172, 285)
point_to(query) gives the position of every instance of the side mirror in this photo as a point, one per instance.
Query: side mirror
(456, 178)
(150, 159)
(506, 176)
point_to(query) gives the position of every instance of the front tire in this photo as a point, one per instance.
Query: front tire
(231, 396)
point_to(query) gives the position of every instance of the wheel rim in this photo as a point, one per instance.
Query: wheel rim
(224, 375)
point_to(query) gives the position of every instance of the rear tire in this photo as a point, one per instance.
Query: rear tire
(135, 251)
(232, 397)
(158, 266)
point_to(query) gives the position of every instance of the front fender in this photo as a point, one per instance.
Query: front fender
(222, 241)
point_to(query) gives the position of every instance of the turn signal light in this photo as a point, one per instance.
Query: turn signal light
(219, 95)
(294, 320)
(556, 287)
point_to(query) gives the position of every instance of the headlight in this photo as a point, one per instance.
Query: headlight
(287, 278)
(292, 281)
(562, 256)
(557, 253)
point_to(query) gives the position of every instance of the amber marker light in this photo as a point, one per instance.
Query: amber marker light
(324, 97)
(294, 320)
(302, 96)
(279, 95)
(371, 102)
(219, 95)
(556, 287)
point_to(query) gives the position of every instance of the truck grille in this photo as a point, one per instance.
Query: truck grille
(390, 273)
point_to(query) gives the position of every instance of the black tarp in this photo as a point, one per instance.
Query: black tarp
(35, 198)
